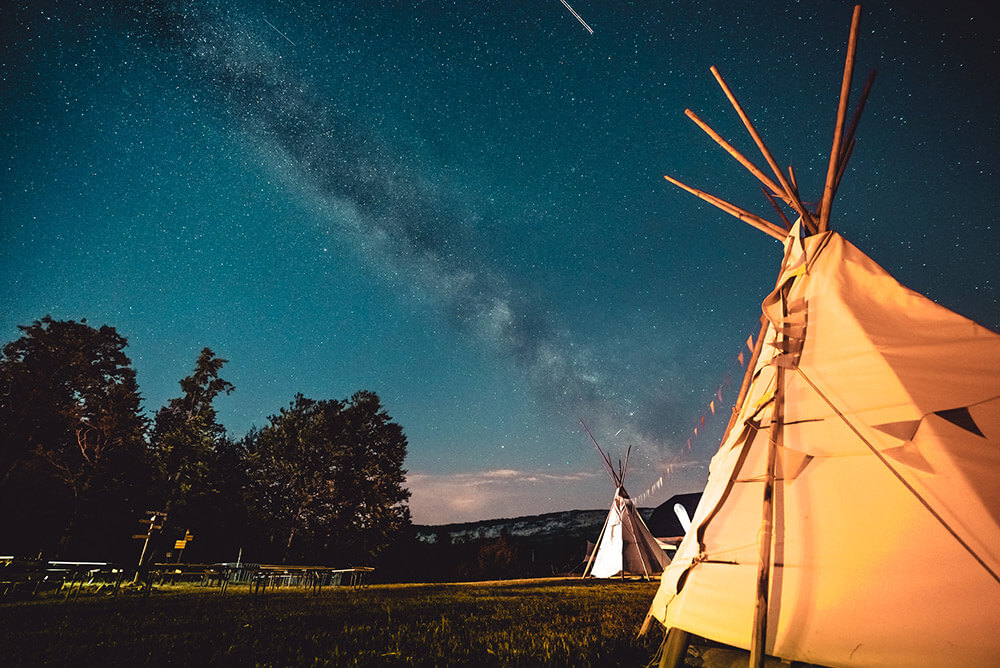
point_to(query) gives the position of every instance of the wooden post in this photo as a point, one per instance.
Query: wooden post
(142, 555)
(154, 517)
(674, 649)
(838, 130)
(758, 643)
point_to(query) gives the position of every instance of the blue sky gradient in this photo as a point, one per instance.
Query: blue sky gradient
(460, 206)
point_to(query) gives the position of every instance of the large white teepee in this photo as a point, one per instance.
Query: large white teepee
(625, 547)
(852, 512)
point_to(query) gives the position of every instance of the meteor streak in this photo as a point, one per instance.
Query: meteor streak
(573, 12)
(286, 36)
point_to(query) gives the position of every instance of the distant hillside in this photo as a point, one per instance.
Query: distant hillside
(568, 524)
(531, 546)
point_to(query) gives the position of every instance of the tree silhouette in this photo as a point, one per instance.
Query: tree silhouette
(188, 445)
(325, 480)
(72, 449)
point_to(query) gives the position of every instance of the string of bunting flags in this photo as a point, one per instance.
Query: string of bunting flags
(715, 402)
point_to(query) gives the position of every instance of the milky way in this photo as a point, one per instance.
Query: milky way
(392, 213)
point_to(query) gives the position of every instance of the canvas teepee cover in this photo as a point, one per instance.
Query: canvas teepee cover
(886, 525)
(852, 513)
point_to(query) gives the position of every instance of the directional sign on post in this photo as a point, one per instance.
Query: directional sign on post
(154, 517)
(179, 545)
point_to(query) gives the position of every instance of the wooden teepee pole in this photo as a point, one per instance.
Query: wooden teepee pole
(792, 181)
(862, 99)
(838, 130)
(765, 226)
(793, 199)
(848, 142)
(604, 456)
(593, 554)
(781, 214)
(758, 643)
(740, 158)
(646, 569)
(845, 156)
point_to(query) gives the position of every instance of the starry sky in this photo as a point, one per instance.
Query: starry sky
(460, 206)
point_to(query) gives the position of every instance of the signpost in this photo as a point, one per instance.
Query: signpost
(155, 522)
(182, 543)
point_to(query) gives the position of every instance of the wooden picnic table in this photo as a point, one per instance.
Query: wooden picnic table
(31, 576)
(315, 577)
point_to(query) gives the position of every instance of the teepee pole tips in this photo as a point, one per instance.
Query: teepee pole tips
(838, 131)
(847, 143)
(765, 226)
(743, 160)
(793, 199)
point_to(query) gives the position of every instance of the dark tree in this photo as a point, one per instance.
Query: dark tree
(291, 464)
(73, 470)
(325, 480)
(194, 459)
(375, 509)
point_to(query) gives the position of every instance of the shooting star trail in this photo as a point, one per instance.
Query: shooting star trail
(293, 43)
(573, 12)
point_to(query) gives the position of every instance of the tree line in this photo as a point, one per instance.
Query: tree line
(80, 463)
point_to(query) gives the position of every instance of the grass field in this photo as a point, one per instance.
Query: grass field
(519, 623)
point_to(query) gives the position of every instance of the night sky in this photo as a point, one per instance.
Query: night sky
(461, 207)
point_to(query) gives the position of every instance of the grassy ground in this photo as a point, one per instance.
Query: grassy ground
(523, 623)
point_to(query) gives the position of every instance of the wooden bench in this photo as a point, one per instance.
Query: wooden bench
(29, 577)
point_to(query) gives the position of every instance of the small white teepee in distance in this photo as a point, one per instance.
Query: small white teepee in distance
(625, 546)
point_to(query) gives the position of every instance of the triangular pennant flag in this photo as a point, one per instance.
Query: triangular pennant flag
(702, 420)
(696, 431)
(712, 406)
(750, 342)
(719, 393)
(904, 430)
(741, 358)
(960, 417)
(689, 444)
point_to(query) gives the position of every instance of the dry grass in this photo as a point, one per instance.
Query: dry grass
(520, 623)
